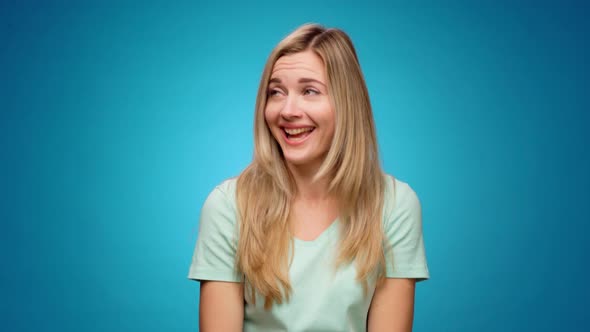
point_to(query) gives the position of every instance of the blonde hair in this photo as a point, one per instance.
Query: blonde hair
(266, 188)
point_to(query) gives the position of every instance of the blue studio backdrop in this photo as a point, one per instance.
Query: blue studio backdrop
(117, 118)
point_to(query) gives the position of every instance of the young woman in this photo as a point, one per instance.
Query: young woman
(312, 236)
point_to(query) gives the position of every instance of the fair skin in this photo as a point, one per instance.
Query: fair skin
(221, 306)
(298, 101)
(392, 306)
(301, 118)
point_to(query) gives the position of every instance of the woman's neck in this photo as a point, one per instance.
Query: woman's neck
(308, 189)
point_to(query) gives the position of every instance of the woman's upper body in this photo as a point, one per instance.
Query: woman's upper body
(323, 299)
(312, 235)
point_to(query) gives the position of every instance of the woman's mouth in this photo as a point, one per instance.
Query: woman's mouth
(296, 135)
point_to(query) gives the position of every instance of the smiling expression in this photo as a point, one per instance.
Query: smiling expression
(298, 110)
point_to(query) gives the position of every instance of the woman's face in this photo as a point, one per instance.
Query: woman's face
(298, 109)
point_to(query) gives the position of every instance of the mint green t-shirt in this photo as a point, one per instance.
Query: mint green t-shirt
(322, 298)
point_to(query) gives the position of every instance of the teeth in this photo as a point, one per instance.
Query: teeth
(298, 130)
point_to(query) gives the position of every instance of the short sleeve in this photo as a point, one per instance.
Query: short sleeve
(406, 257)
(215, 250)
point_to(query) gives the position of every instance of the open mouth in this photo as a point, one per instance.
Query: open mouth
(297, 134)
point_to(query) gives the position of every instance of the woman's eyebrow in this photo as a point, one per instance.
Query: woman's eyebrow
(310, 80)
(301, 80)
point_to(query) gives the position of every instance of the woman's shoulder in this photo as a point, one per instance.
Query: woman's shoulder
(398, 195)
(227, 187)
(223, 195)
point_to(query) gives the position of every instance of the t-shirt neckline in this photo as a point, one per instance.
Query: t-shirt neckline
(325, 234)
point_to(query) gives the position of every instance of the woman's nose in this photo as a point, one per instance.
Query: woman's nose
(291, 108)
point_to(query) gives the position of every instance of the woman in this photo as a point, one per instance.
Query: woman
(312, 236)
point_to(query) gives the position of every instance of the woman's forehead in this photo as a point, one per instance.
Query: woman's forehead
(302, 63)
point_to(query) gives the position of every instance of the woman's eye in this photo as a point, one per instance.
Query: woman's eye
(273, 92)
(310, 92)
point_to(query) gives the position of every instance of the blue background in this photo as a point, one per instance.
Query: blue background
(118, 118)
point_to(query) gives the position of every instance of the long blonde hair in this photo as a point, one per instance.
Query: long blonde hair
(265, 189)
